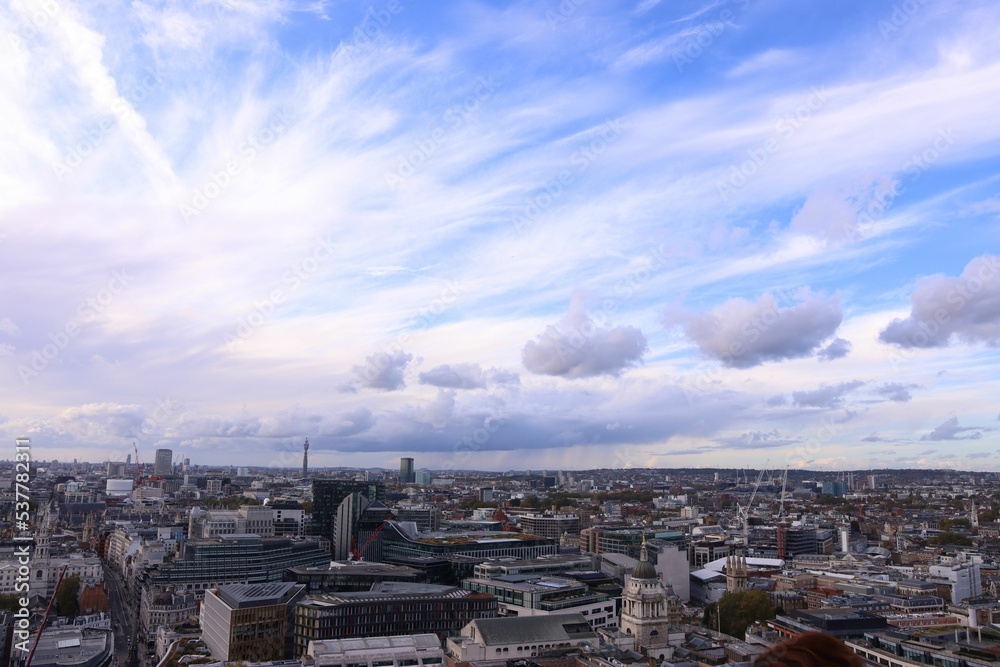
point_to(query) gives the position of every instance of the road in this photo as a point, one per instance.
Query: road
(123, 620)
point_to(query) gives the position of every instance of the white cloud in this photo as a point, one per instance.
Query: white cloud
(743, 334)
(383, 370)
(949, 309)
(579, 347)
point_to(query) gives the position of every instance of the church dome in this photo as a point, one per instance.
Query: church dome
(644, 570)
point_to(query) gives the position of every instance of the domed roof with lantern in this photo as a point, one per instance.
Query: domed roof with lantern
(644, 569)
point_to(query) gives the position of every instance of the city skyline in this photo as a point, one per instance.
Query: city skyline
(505, 235)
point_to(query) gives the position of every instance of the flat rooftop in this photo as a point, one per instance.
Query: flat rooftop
(239, 596)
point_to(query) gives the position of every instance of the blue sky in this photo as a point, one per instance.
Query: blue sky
(503, 235)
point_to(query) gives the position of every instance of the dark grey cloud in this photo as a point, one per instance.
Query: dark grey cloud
(776, 401)
(467, 376)
(895, 391)
(827, 396)
(743, 334)
(579, 347)
(459, 424)
(950, 430)
(946, 309)
(837, 348)
(383, 370)
(874, 437)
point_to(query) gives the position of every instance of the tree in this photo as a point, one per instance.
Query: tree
(68, 596)
(11, 602)
(949, 537)
(739, 609)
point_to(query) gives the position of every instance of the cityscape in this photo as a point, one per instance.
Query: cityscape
(135, 563)
(500, 333)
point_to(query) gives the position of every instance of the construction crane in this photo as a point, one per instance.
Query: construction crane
(781, 502)
(357, 553)
(743, 512)
(138, 467)
(45, 618)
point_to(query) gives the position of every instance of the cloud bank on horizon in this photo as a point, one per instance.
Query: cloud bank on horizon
(502, 235)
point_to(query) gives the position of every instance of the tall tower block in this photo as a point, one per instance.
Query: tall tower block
(305, 459)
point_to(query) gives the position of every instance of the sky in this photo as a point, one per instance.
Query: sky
(502, 235)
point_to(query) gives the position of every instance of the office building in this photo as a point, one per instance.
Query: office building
(79, 647)
(529, 595)
(422, 477)
(550, 525)
(116, 470)
(249, 622)
(163, 608)
(232, 559)
(406, 475)
(961, 581)
(389, 609)
(398, 651)
(399, 541)
(327, 496)
(346, 576)
(289, 519)
(834, 488)
(163, 464)
(358, 520)
(836, 621)
(248, 519)
(427, 517)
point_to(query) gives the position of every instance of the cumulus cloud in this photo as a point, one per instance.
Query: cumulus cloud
(837, 348)
(579, 347)
(466, 376)
(743, 334)
(827, 396)
(8, 327)
(944, 309)
(383, 370)
(895, 391)
(950, 430)
(104, 419)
